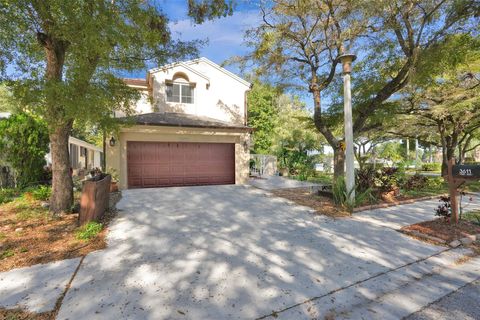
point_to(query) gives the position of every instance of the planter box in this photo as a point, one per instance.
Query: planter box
(94, 199)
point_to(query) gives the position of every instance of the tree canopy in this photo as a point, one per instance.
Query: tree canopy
(263, 116)
(442, 104)
(300, 43)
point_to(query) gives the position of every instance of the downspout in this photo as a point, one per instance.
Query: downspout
(245, 108)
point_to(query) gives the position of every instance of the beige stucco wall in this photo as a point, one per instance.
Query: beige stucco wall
(217, 95)
(116, 157)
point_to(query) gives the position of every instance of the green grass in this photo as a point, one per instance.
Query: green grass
(425, 192)
(323, 178)
(2, 236)
(25, 206)
(472, 217)
(472, 186)
(28, 213)
(6, 253)
(88, 231)
(8, 195)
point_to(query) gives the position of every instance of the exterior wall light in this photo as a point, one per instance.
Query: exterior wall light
(112, 142)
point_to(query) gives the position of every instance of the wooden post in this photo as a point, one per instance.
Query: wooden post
(452, 185)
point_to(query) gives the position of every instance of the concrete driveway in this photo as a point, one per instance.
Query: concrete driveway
(230, 252)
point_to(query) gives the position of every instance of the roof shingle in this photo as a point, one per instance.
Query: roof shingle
(181, 120)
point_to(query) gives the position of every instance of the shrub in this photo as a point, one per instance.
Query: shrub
(387, 179)
(89, 230)
(431, 167)
(42, 193)
(7, 195)
(24, 145)
(416, 182)
(445, 209)
(365, 178)
(435, 182)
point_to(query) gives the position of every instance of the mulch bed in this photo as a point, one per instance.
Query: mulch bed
(41, 238)
(443, 230)
(17, 314)
(303, 196)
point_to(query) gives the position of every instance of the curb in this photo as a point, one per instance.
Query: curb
(396, 203)
(453, 244)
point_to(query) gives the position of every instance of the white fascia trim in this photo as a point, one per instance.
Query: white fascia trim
(84, 144)
(176, 64)
(216, 66)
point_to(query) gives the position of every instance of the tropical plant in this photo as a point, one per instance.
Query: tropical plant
(444, 210)
(42, 192)
(342, 197)
(416, 182)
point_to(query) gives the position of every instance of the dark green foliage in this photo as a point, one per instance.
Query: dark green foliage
(365, 178)
(262, 116)
(8, 194)
(416, 182)
(444, 210)
(23, 146)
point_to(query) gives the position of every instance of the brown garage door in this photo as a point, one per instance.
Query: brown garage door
(164, 164)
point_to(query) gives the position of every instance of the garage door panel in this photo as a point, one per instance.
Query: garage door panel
(161, 164)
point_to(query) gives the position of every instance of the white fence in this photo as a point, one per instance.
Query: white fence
(263, 165)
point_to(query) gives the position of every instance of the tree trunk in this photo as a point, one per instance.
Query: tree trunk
(61, 199)
(338, 162)
(447, 154)
(338, 153)
(62, 184)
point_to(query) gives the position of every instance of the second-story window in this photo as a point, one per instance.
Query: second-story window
(179, 92)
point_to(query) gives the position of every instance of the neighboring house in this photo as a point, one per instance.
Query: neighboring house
(190, 129)
(83, 155)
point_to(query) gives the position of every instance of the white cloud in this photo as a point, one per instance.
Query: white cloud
(225, 36)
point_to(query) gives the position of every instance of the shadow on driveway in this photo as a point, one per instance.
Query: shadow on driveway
(225, 252)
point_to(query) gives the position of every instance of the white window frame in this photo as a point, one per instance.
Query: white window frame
(180, 84)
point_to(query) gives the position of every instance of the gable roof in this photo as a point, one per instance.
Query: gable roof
(187, 64)
(216, 66)
(176, 64)
(135, 82)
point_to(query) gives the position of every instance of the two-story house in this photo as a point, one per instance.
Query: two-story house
(190, 129)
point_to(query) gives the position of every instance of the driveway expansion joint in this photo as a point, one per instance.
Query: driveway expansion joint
(274, 313)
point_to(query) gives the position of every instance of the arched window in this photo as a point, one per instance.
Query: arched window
(180, 90)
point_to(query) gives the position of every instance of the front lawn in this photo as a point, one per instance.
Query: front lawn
(29, 234)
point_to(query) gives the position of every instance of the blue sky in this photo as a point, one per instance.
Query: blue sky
(225, 35)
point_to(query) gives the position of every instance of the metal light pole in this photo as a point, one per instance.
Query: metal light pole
(346, 60)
